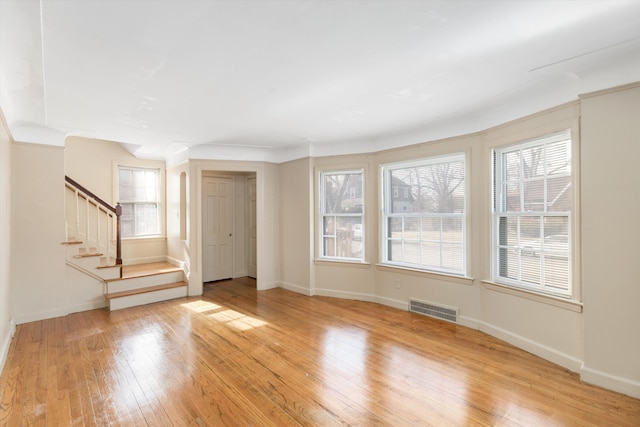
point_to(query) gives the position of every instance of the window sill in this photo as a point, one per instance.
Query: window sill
(144, 239)
(341, 263)
(566, 304)
(465, 280)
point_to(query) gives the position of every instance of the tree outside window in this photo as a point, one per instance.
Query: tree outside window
(342, 210)
(424, 214)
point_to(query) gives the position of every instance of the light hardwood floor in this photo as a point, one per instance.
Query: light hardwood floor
(238, 357)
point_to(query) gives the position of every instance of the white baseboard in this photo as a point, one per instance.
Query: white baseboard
(345, 295)
(610, 382)
(566, 361)
(7, 344)
(175, 262)
(43, 315)
(290, 287)
(102, 303)
(270, 285)
(400, 305)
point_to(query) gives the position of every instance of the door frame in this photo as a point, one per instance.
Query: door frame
(232, 215)
(196, 256)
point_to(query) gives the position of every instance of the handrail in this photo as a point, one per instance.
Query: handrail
(117, 210)
(90, 194)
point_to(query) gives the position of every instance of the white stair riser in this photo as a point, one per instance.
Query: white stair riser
(144, 281)
(147, 298)
(91, 264)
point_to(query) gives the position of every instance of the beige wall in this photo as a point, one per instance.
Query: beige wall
(296, 204)
(177, 248)
(93, 163)
(599, 332)
(610, 236)
(38, 228)
(7, 325)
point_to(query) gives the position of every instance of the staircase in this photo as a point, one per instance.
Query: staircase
(93, 248)
(145, 284)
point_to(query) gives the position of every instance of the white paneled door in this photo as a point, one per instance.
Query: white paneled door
(217, 218)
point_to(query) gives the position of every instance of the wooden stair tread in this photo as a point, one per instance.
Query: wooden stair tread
(72, 242)
(143, 270)
(109, 266)
(145, 290)
(88, 255)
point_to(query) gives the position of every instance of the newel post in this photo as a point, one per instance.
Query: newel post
(118, 239)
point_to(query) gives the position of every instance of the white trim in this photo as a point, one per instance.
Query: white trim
(337, 262)
(610, 382)
(392, 268)
(295, 288)
(559, 358)
(394, 303)
(357, 296)
(564, 303)
(7, 344)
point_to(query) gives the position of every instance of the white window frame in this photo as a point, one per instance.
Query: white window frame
(158, 198)
(327, 235)
(499, 211)
(387, 189)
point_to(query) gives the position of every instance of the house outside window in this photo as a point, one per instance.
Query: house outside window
(139, 196)
(532, 239)
(341, 215)
(424, 214)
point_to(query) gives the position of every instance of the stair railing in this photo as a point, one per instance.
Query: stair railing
(112, 213)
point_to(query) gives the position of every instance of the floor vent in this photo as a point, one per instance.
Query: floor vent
(445, 313)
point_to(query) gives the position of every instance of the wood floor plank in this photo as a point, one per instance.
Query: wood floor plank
(238, 357)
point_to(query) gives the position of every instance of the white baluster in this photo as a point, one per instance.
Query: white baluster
(97, 225)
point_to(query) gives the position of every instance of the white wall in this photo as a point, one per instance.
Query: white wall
(610, 236)
(7, 327)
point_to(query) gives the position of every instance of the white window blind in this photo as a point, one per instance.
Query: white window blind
(532, 214)
(139, 194)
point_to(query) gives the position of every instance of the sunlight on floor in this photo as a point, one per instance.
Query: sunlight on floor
(224, 315)
(201, 306)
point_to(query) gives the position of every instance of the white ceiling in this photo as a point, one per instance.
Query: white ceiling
(279, 79)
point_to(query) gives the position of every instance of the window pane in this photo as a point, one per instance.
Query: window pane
(146, 219)
(533, 162)
(512, 194)
(424, 205)
(342, 193)
(452, 230)
(512, 166)
(395, 229)
(533, 196)
(559, 194)
(127, 228)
